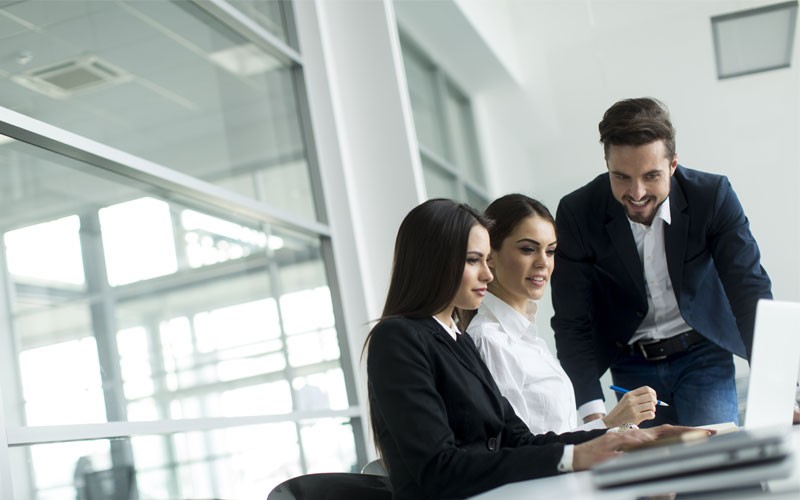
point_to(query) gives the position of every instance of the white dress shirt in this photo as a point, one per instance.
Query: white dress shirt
(525, 370)
(663, 319)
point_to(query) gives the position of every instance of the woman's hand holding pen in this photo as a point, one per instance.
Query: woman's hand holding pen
(635, 406)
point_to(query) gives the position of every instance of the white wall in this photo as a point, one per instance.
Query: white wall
(594, 53)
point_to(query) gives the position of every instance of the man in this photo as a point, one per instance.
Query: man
(657, 275)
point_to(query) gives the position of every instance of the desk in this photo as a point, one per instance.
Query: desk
(578, 486)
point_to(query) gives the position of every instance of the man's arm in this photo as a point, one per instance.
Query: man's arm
(737, 259)
(572, 303)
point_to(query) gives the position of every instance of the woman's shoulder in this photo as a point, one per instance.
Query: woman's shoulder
(399, 336)
(484, 328)
(396, 327)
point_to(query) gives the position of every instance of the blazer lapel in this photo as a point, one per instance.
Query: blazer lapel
(675, 236)
(460, 354)
(619, 231)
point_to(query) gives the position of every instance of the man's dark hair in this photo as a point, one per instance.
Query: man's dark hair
(636, 122)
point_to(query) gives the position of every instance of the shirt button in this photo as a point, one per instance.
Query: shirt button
(492, 444)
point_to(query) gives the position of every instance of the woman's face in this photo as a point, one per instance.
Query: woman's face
(523, 264)
(476, 271)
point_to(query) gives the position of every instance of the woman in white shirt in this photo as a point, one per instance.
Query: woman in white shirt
(523, 243)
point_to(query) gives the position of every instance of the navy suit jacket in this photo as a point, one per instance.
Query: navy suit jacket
(598, 284)
(443, 427)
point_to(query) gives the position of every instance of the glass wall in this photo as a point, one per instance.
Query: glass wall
(166, 82)
(196, 333)
(445, 128)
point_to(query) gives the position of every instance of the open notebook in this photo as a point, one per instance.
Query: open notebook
(762, 451)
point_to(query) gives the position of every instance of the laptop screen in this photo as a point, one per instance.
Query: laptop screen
(774, 365)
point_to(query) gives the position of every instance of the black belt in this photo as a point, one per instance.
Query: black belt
(655, 350)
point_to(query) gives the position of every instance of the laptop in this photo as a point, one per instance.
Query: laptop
(735, 458)
(761, 451)
(774, 365)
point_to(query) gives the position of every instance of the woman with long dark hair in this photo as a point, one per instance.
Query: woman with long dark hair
(439, 421)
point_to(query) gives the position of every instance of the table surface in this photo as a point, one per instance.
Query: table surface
(578, 486)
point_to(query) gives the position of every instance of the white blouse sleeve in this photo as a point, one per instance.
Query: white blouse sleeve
(504, 366)
(594, 424)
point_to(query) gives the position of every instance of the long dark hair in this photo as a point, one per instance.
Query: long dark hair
(429, 256)
(505, 214)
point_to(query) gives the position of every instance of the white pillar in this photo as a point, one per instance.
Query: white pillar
(365, 141)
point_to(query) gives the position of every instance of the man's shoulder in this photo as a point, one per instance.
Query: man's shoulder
(588, 195)
(699, 187)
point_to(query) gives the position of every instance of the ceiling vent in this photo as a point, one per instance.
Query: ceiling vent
(75, 76)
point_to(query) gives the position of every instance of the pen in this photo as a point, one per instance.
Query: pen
(623, 391)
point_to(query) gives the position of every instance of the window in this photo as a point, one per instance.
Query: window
(165, 256)
(446, 134)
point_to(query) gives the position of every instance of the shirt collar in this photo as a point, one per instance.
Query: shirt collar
(511, 321)
(451, 329)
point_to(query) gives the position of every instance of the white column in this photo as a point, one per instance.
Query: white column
(366, 145)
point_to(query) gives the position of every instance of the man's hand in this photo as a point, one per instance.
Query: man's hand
(634, 407)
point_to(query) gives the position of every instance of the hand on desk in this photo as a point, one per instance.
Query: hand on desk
(613, 443)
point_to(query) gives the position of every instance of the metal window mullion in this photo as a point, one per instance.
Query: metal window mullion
(441, 108)
(437, 160)
(161, 397)
(276, 290)
(249, 29)
(11, 377)
(104, 329)
(307, 133)
(32, 435)
(348, 364)
(289, 23)
(108, 159)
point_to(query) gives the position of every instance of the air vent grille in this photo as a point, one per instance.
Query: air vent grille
(71, 77)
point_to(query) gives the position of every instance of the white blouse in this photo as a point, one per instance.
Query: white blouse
(525, 370)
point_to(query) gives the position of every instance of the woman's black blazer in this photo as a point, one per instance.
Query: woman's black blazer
(443, 427)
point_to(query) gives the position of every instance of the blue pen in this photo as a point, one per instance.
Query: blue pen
(623, 391)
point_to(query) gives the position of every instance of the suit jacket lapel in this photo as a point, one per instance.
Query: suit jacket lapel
(619, 231)
(675, 236)
(443, 338)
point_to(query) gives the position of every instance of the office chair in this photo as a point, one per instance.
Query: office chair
(376, 468)
(118, 483)
(333, 486)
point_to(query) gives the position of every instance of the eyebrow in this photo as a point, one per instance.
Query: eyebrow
(530, 240)
(623, 174)
(475, 252)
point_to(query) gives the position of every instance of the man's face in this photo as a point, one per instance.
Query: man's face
(640, 177)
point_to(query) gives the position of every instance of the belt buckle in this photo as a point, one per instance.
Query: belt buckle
(642, 345)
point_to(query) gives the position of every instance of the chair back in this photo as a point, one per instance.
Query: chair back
(376, 468)
(333, 486)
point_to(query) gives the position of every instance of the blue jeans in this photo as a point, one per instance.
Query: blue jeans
(698, 384)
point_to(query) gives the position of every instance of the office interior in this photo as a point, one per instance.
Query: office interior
(200, 198)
